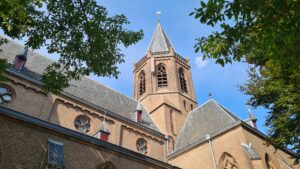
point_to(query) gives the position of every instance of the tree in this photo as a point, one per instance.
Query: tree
(265, 34)
(80, 31)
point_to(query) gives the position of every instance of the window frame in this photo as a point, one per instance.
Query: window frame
(161, 75)
(182, 80)
(86, 130)
(142, 83)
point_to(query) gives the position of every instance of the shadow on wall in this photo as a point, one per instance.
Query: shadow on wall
(23, 145)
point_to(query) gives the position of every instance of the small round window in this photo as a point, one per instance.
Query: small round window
(82, 124)
(5, 95)
(141, 146)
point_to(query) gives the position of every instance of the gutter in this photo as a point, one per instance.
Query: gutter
(56, 129)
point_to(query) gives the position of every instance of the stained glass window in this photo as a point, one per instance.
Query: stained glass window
(141, 146)
(5, 95)
(82, 123)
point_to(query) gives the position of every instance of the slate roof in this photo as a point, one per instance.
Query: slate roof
(86, 89)
(160, 41)
(208, 118)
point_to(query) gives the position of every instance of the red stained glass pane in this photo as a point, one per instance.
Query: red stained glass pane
(104, 136)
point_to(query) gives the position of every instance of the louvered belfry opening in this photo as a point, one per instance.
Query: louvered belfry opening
(183, 84)
(162, 80)
(142, 83)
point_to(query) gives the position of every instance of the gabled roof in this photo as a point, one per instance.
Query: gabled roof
(85, 90)
(206, 119)
(160, 41)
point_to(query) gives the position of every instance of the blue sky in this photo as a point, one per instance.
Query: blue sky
(182, 30)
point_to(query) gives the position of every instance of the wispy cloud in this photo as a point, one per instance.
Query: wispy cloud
(200, 63)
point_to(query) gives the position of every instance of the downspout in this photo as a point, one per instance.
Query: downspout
(212, 150)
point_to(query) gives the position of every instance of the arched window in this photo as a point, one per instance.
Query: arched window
(184, 104)
(142, 83)
(107, 165)
(269, 162)
(183, 84)
(162, 80)
(141, 146)
(227, 161)
(82, 123)
(5, 95)
(192, 107)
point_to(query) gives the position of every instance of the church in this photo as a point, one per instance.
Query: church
(91, 126)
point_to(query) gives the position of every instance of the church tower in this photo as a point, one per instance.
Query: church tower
(164, 85)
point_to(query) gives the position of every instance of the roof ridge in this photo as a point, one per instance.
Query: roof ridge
(226, 111)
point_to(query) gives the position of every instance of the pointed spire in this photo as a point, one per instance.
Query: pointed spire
(139, 107)
(104, 127)
(160, 41)
(251, 115)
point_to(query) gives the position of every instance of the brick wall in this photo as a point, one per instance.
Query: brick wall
(23, 145)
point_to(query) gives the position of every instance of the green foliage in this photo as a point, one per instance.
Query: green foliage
(80, 31)
(265, 34)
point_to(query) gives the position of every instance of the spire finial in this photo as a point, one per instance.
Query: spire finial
(210, 95)
(158, 13)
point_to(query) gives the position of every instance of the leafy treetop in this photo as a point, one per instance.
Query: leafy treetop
(80, 31)
(264, 34)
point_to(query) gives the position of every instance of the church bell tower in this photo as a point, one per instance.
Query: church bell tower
(163, 84)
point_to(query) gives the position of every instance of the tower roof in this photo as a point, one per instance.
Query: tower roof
(160, 41)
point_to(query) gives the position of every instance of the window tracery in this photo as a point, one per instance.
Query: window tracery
(182, 80)
(142, 83)
(5, 95)
(227, 161)
(162, 80)
(82, 123)
(141, 146)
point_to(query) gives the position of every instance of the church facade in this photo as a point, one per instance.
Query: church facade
(91, 126)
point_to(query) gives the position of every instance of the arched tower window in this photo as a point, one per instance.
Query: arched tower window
(182, 80)
(227, 161)
(269, 162)
(162, 80)
(142, 83)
